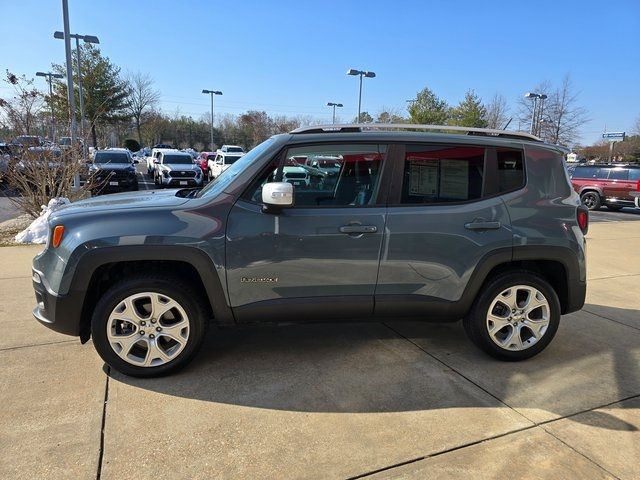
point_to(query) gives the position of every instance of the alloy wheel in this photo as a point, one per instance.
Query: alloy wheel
(518, 317)
(148, 329)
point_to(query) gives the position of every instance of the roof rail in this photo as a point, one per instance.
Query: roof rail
(362, 127)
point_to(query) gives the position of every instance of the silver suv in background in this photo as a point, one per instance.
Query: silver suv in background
(174, 168)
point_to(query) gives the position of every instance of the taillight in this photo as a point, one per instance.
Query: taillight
(638, 186)
(582, 216)
(56, 236)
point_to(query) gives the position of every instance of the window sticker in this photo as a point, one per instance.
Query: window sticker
(423, 174)
(454, 179)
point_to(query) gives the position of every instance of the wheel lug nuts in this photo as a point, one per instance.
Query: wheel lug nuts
(141, 332)
(152, 336)
(153, 320)
(158, 329)
(143, 323)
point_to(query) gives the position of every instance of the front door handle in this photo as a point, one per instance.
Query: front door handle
(482, 225)
(358, 229)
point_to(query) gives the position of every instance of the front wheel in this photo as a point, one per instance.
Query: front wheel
(515, 317)
(149, 325)
(591, 200)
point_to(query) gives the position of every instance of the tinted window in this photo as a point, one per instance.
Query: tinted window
(111, 157)
(618, 174)
(354, 182)
(585, 172)
(510, 169)
(234, 149)
(440, 174)
(177, 159)
(634, 174)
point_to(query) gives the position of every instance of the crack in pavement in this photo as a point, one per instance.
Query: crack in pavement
(6, 349)
(610, 319)
(104, 421)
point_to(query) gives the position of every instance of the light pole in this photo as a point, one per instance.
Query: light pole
(537, 111)
(334, 105)
(86, 39)
(50, 76)
(360, 73)
(212, 93)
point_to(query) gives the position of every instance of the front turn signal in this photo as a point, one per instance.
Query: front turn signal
(56, 238)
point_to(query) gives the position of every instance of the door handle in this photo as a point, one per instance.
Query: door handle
(482, 225)
(358, 229)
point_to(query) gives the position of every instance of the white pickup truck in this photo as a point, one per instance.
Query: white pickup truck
(221, 162)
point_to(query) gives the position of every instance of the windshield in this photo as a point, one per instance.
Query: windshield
(227, 176)
(177, 159)
(234, 149)
(111, 157)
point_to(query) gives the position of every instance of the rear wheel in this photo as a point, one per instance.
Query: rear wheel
(148, 326)
(591, 200)
(515, 317)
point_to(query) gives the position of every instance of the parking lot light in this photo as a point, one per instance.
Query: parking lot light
(334, 105)
(50, 76)
(212, 93)
(360, 73)
(85, 39)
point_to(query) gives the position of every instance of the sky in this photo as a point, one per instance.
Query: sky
(291, 57)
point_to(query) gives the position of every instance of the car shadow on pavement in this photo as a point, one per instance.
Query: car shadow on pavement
(412, 366)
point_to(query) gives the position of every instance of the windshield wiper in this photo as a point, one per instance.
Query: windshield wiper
(188, 192)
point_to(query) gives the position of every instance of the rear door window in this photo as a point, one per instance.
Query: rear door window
(619, 174)
(442, 174)
(510, 169)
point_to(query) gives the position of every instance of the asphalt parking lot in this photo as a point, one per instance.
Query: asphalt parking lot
(396, 400)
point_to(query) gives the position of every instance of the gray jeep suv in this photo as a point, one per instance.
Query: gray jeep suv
(483, 227)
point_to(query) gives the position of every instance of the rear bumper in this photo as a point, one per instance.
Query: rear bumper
(575, 296)
(60, 313)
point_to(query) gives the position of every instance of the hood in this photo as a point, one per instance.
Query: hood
(113, 166)
(121, 201)
(182, 167)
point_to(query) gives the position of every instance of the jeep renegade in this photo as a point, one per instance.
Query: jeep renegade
(423, 224)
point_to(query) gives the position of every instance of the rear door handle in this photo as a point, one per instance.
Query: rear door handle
(482, 225)
(358, 229)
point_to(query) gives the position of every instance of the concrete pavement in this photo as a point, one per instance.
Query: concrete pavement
(403, 400)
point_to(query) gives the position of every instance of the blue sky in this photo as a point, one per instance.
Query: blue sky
(290, 57)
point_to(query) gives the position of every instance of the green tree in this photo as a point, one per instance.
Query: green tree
(365, 117)
(470, 112)
(105, 92)
(428, 109)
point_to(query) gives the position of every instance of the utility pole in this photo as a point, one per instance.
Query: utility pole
(212, 93)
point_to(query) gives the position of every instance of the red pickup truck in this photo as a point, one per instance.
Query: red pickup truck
(612, 185)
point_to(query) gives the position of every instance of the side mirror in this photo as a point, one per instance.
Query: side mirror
(277, 195)
(156, 161)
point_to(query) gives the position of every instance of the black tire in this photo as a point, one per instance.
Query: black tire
(591, 200)
(183, 293)
(475, 324)
(614, 208)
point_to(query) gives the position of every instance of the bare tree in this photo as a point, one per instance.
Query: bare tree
(564, 116)
(636, 126)
(525, 105)
(497, 114)
(21, 111)
(38, 175)
(143, 99)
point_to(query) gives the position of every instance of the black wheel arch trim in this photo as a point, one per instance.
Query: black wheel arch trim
(91, 260)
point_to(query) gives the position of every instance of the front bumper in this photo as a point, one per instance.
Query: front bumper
(60, 313)
(179, 182)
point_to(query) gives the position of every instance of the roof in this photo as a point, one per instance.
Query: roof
(418, 133)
